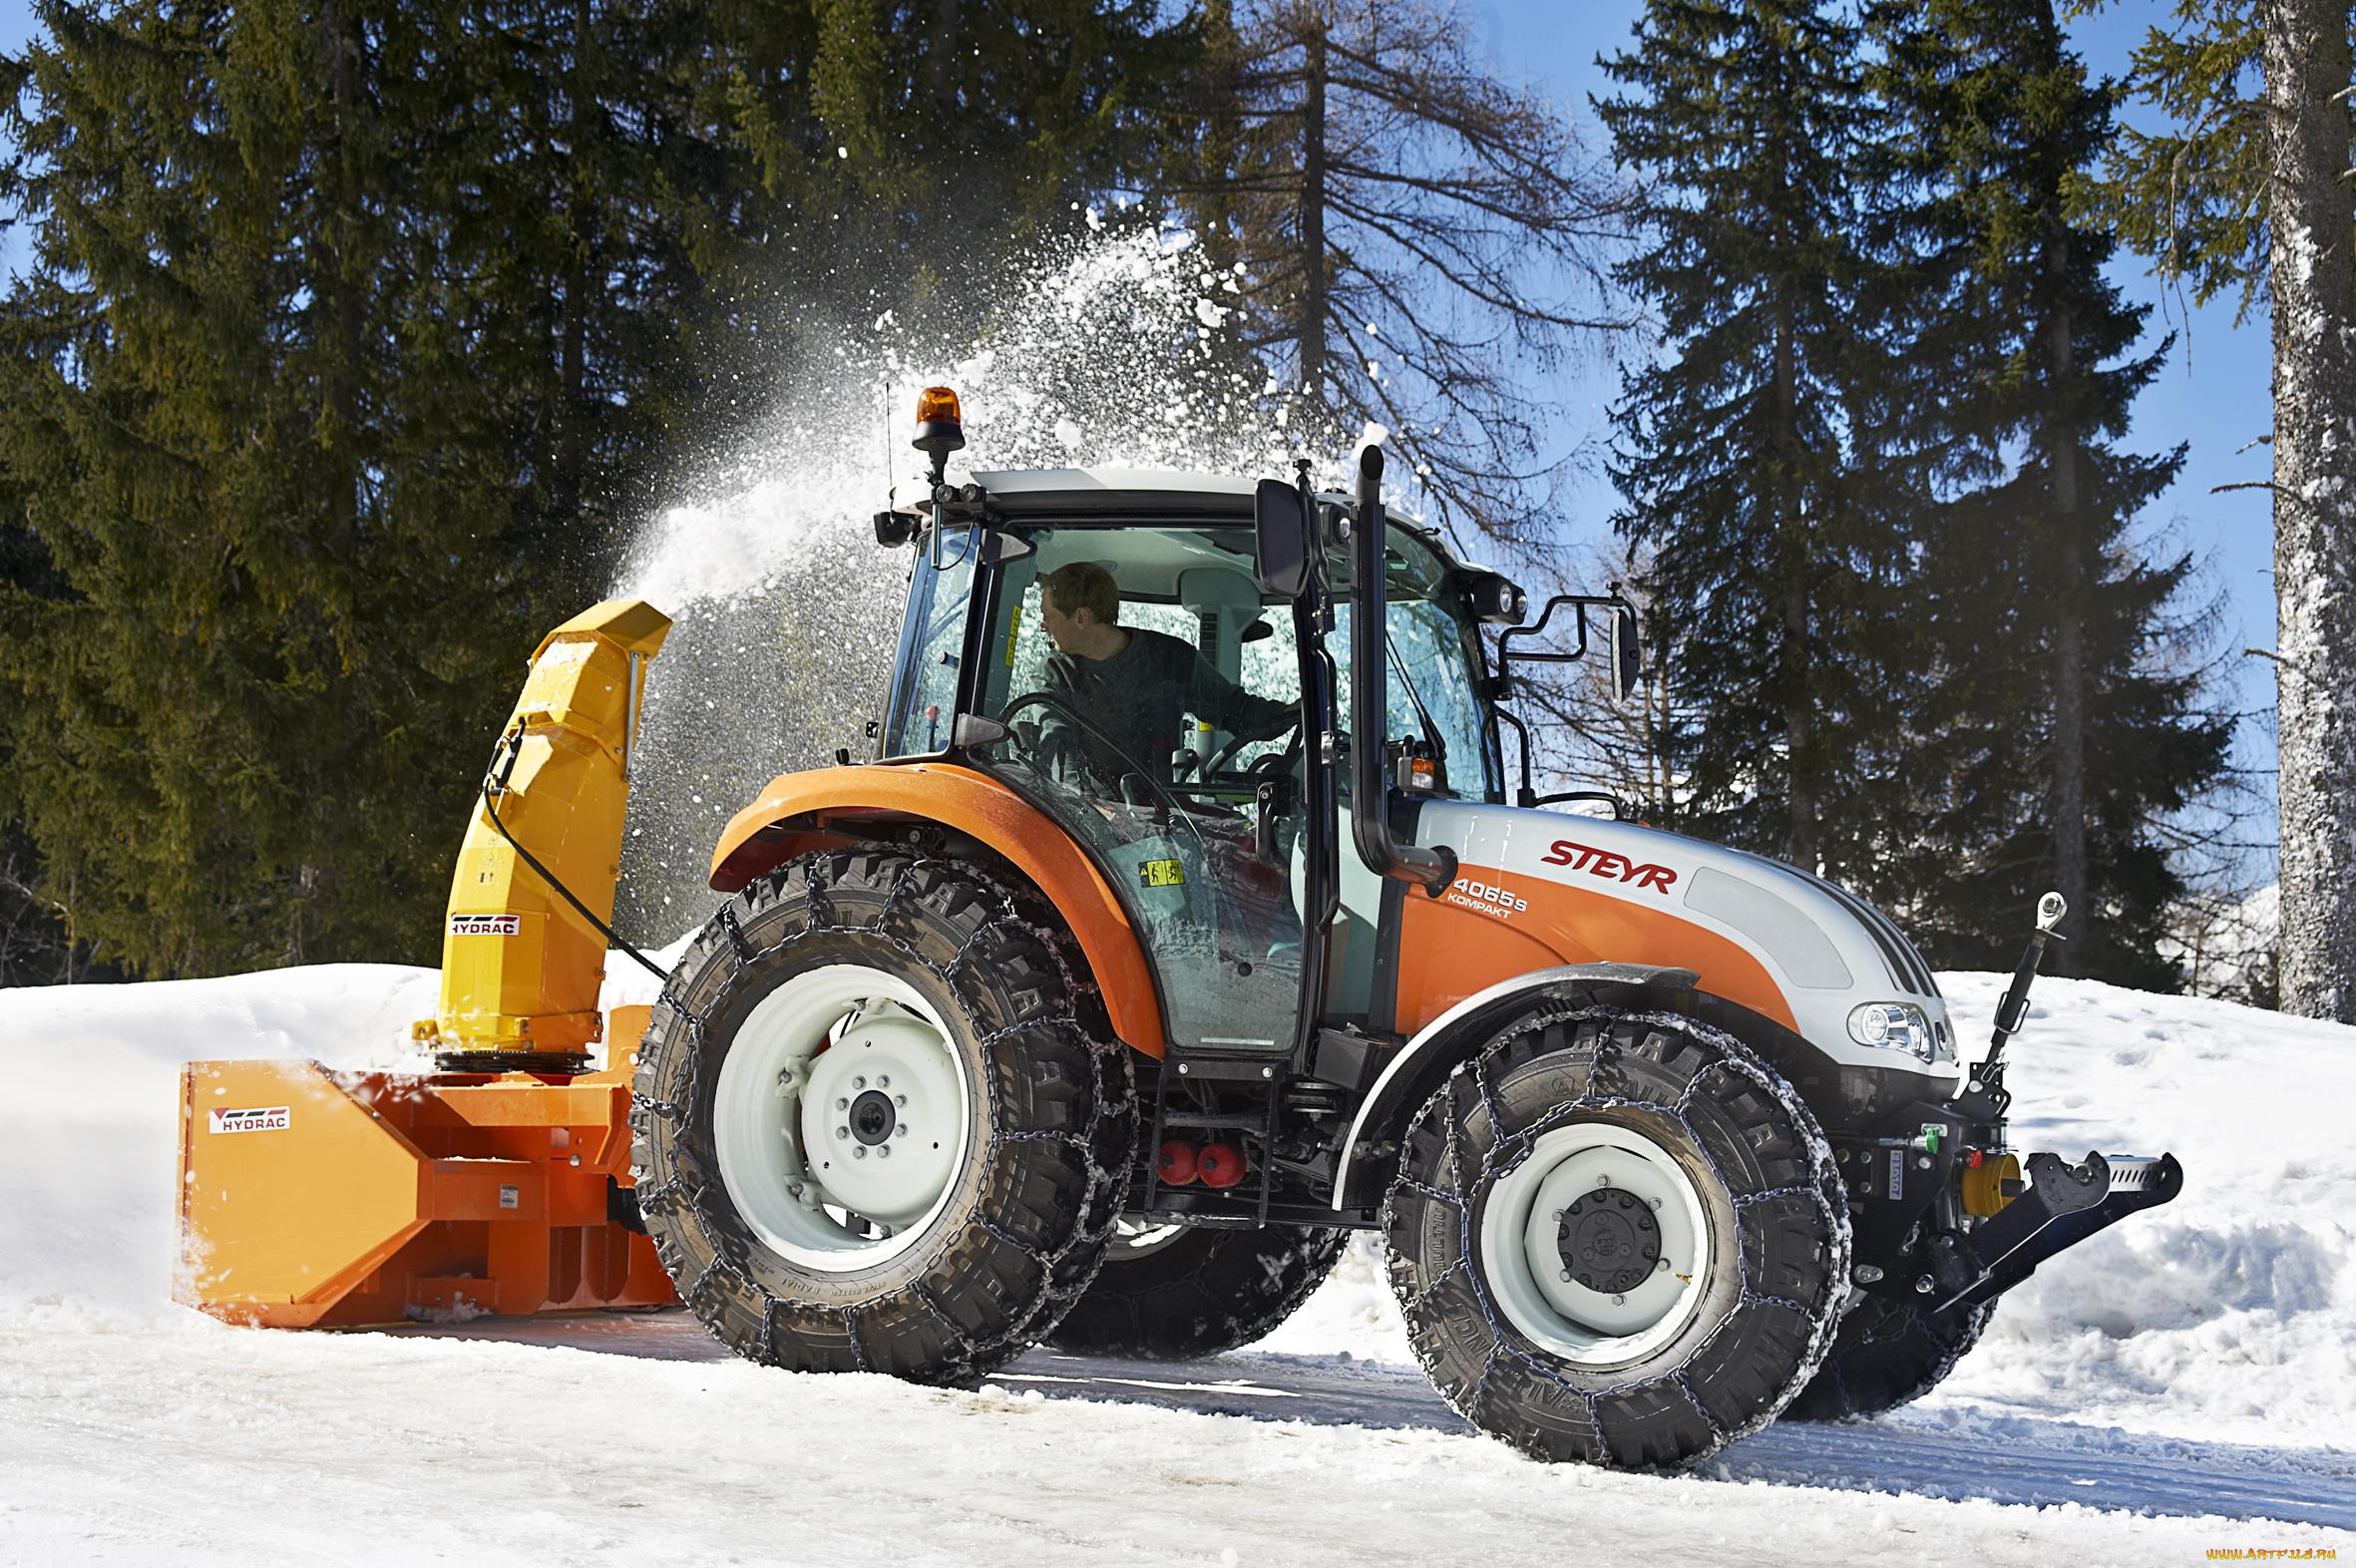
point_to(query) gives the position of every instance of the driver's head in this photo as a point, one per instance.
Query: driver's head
(1076, 604)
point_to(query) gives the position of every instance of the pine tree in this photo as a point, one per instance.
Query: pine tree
(2057, 729)
(357, 333)
(1770, 563)
(1415, 237)
(856, 155)
(273, 420)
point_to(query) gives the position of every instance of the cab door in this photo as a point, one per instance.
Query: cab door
(1197, 850)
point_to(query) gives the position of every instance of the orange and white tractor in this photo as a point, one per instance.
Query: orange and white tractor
(1150, 958)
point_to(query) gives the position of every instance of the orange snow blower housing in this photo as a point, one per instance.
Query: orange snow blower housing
(316, 1198)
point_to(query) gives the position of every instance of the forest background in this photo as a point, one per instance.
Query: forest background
(204, 885)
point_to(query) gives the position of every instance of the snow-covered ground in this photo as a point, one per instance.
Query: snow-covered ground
(2181, 1384)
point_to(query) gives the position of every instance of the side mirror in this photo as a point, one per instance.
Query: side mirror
(1281, 545)
(1627, 653)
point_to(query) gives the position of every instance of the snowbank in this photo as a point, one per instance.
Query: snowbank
(89, 1128)
(2231, 1312)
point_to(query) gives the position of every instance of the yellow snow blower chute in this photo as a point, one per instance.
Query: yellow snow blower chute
(316, 1198)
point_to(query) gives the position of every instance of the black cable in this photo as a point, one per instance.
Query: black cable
(491, 810)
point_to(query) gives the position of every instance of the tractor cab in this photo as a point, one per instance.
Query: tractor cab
(1167, 726)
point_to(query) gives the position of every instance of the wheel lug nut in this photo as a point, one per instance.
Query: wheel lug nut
(900, 1131)
(859, 1083)
(858, 1153)
(1566, 1274)
(842, 1132)
(883, 1151)
(1662, 1267)
(900, 1099)
(842, 1103)
(882, 1080)
(1603, 1181)
(1619, 1301)
(1654, 1202)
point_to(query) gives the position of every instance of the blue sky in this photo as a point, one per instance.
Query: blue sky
(2213, 396)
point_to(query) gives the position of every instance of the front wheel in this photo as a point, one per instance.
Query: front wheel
(1618, 1239)
(870, 1131)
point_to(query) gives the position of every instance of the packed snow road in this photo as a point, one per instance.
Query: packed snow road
(2181, 1386)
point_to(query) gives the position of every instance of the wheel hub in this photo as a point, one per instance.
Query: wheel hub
(1608, 1241)
(872, 1118)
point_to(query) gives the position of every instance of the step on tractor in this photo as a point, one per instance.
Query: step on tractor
(1150, 958)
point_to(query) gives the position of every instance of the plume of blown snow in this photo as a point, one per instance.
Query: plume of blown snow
(1109, 350)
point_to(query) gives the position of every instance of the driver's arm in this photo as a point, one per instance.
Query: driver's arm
(1211, 696)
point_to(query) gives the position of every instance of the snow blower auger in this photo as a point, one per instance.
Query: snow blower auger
(1138, 966)
(501, 1184)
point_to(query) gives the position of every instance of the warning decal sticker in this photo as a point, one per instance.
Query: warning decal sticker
(1160, 874)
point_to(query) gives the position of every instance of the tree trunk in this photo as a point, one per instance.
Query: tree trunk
(341, 280)
(571, 189)
(943, 48)
(2068, 785)
(2313, 280)
(1312, 329)
(1791, 657)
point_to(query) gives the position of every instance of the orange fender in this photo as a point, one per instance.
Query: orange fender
(799, 812)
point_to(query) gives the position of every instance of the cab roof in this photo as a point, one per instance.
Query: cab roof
(1146, 494)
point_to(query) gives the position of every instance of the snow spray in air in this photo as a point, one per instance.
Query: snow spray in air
(1110, 350)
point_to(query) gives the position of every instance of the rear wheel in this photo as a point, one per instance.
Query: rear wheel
(871, 1133)
(1176, 1293)
(1619, 1238)
(1888, 1353)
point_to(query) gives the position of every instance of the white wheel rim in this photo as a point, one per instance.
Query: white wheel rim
(841, 1100)
(1522, 1260)
(1134, 1237)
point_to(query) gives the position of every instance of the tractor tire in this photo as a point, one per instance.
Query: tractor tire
(1888, 1353)
(1617, 1238)
(1192, 1291)
(932, 1224)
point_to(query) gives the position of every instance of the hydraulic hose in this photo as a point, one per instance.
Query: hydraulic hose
(491, 810)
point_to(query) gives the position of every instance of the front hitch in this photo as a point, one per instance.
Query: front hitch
(2063, 1203)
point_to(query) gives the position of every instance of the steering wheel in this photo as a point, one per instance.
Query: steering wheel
(1275, 761)
(1048, 699)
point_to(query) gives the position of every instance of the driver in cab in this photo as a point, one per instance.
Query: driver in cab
(1132, 685)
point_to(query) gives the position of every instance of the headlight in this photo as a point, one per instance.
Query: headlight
(1898, 1026)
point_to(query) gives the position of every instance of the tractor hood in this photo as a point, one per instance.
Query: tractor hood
(1787, 944)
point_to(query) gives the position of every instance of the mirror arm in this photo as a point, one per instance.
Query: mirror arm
(1529, 794)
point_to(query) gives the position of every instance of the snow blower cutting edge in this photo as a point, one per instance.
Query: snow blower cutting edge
(1148, 958)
